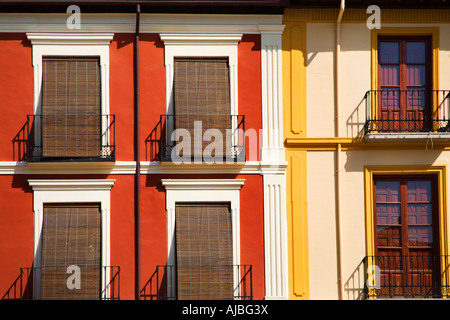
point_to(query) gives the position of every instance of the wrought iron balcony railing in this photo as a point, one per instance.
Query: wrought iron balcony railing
(29, 283)
(166, 278)
(407, 111)
(412, 276)
(70, 138)
(202, 138)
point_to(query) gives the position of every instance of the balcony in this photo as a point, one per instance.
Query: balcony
(28, 281)
(59, 138)
(409, 277)
(166, 278)
(407, 115)
(205, 139)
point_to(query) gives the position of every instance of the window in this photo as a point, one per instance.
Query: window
(202, 202)
(71, 119)
(71, 110)
(201, 86)
(407, 235)
(404, 94)
(204, 251)
(76, 212)
(202, 100)
(71, 237)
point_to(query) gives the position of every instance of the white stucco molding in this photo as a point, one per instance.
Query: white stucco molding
(272, 93)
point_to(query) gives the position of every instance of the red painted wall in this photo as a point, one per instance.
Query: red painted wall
(16, 197)
(16, 93)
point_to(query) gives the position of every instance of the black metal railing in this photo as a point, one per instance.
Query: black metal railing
(166, 278)
(100, 143)
(211, 139)
(412, 276)
(414, 110)
(109, 283)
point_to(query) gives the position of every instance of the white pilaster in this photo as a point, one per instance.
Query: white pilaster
(272, 95)
(273, 157)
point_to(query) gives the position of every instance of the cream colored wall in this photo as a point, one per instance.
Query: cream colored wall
(319, 77)
(355, 77)
(355, 81)
(321, 226)
(322, 214)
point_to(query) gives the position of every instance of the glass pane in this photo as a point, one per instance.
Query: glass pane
(415, 52)
(419, 191)
(389, 236)
(420, 236)
(389, 75)
(415, 75)
(390, 98)
(416, 98)
(389, 52)
(388, 214)
(419, 214)
(388, 191)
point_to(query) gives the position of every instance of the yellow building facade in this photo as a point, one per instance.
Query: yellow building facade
(366, 109)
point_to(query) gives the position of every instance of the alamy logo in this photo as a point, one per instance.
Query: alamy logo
(374, 21)
(74, 21)
(73, 281)
(373, 277)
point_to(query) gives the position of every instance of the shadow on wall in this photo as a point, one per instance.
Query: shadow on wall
(357, 120)
(354, 287)
(156, 286)
(19, 143)
(22, 286)
(153, 142)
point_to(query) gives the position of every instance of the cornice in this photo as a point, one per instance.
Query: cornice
(353, 15)
(129, 168)
(149, 23)
(200, 39)
(205, 184)
(71, 184)
(45, 38)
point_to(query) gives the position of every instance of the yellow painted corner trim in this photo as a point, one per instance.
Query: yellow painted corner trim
(294, 79)
(439, 170)
(297, 217)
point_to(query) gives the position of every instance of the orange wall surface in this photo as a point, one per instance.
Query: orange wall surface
(16, 197)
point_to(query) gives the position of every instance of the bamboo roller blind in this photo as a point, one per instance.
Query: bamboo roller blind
(202, 93)
(71, 116)
(204, 251)
(71, 235)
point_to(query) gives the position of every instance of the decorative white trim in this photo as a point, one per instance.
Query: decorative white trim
(126, 22)
(196, 190)
(275, 237)
(71, 191)
(129, 167)
(70, 38)
(272, 149)
(71, 185)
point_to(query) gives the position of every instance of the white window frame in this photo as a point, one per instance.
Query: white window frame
(72, 191)
(71, 45)
(197, 190)
(181, 45)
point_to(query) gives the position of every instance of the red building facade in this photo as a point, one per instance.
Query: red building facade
(93, 202)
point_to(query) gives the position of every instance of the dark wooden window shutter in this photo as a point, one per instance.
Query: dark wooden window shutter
(202, 93)
(71, 235)
(204, 251)
(71, 107)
